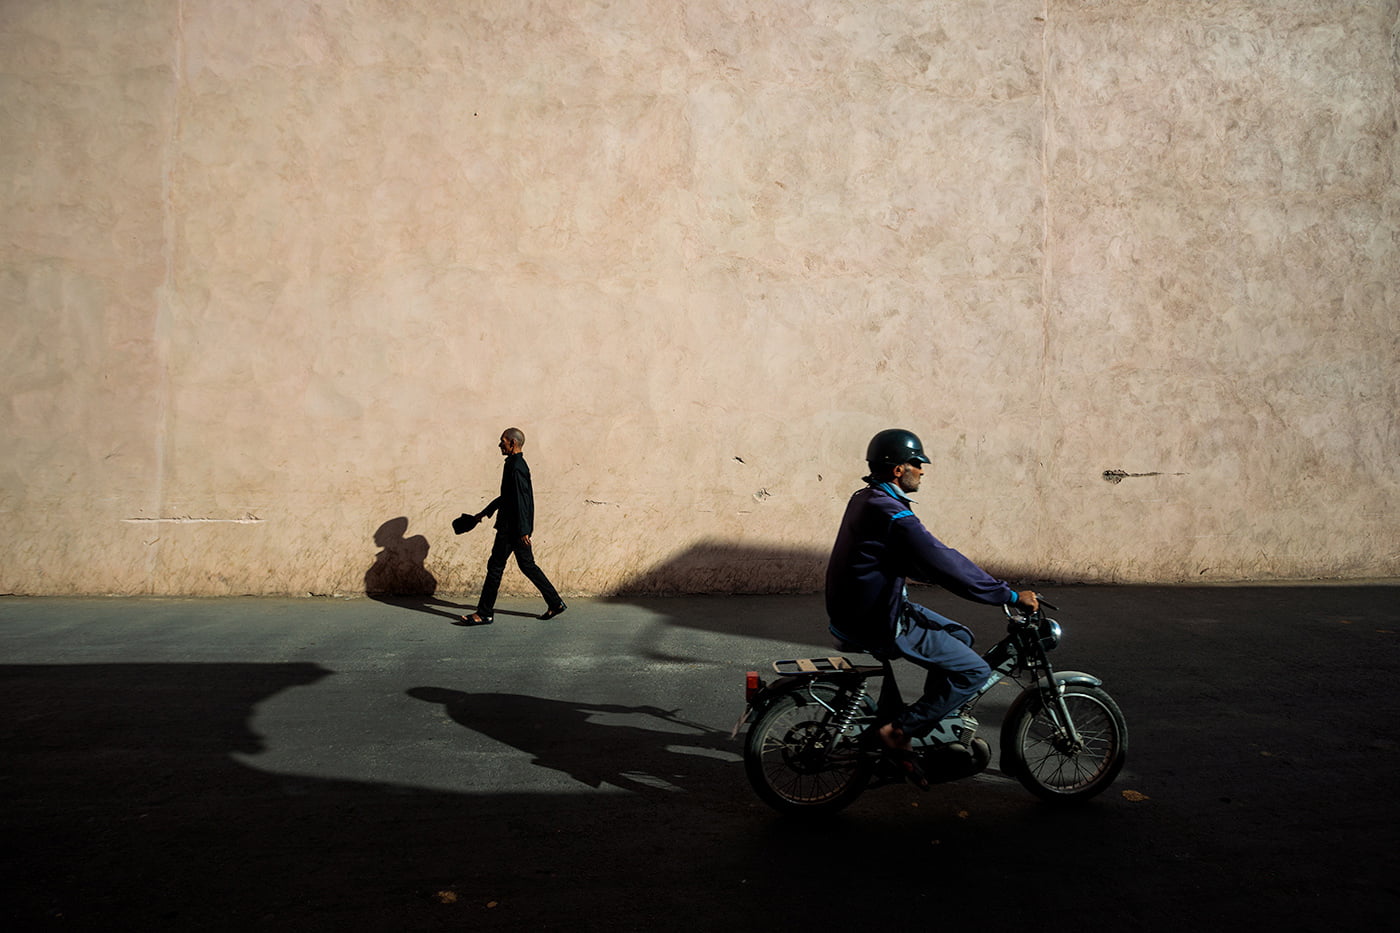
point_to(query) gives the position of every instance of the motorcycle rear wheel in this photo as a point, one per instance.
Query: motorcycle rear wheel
(1038, 754)
(798, 763)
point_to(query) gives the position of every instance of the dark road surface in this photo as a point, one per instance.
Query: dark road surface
(319, 764)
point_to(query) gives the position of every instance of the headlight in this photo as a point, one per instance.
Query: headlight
(1049, 634)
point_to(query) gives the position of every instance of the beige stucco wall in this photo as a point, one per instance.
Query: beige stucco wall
(275, 274)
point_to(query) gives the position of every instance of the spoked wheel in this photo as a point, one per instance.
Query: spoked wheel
(795, 759)
(1043, 757)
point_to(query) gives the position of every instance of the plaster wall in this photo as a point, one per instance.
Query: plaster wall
(274, 275)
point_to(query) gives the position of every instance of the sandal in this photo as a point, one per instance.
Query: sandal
(475, 618)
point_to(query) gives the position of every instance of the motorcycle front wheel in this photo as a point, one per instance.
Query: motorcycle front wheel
(1039, 753)
(797, 762)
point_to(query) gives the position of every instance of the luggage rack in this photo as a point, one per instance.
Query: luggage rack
(812, 666)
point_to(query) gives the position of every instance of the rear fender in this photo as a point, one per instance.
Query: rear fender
(786, 684)
(767, 694)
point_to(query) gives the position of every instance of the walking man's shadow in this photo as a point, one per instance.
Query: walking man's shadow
(399, 575)
(643, 749)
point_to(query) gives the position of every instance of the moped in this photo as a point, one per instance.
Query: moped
(813, 745)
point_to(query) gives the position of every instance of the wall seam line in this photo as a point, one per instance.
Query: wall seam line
(165, 301)
(1046, 275)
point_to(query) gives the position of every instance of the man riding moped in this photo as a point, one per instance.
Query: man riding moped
(881, 545)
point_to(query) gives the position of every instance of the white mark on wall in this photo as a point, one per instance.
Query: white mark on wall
(189, 520)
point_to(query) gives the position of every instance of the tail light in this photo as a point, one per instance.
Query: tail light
(752, 684)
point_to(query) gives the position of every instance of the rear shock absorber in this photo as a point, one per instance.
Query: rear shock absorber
(850, 711)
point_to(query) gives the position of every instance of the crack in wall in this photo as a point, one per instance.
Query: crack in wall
(1117, 476)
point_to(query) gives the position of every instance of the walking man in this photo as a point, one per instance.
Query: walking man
(515, 511)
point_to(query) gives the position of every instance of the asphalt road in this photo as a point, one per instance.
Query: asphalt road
(325, 764)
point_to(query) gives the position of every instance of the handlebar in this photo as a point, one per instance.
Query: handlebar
(1033, 616)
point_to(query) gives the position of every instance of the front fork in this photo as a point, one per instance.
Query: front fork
(1052, 691)
(1059, 714)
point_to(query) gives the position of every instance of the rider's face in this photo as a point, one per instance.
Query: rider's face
(909, 475)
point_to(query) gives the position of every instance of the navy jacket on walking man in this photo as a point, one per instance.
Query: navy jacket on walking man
(514, 509)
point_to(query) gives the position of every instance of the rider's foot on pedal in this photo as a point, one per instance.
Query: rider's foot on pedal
(894, 737)
(901, 750)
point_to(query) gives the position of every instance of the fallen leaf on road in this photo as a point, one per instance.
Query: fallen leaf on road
(1135, 796)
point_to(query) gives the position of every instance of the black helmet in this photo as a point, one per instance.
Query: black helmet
(893, 447)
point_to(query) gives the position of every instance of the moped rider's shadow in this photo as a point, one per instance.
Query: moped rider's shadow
(399, 575)
(639, 748)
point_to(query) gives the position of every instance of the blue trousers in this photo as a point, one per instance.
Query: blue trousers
(955, 672)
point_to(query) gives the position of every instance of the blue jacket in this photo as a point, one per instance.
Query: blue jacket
(880, 546)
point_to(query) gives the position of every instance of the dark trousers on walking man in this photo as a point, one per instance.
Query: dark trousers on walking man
(506, 544)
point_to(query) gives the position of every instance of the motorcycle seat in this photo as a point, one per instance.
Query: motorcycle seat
(850, 647)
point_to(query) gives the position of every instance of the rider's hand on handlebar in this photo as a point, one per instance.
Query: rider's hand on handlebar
(1028, 601)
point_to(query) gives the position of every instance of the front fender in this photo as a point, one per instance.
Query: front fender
(1072, 679)
(1036, 694)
